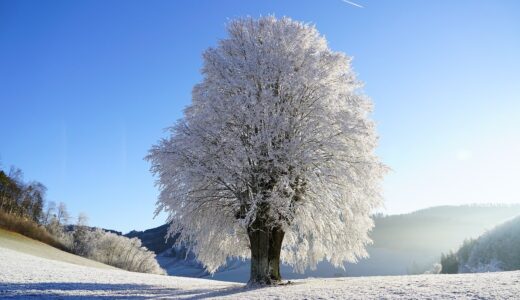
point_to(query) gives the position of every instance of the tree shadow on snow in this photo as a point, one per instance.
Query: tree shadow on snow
(76, 290)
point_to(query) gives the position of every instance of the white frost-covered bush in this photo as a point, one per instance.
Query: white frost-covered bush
(58, 232)
(124, 253)
(109, 248)
(435, 269)
(106, 247)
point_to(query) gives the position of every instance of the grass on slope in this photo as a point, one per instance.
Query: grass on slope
(20, 243)
(28, 228)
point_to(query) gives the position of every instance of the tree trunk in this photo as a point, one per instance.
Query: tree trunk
(259, 242)
(275, 247)
(266, 244)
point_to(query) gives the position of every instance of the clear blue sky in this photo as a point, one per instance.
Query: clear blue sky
(86, 87)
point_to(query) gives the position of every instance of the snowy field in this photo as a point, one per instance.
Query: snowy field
(27, 276)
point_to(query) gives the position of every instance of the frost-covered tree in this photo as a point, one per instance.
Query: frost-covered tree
(80, 242)
(62, 214)
(274, 159)
(49, 212)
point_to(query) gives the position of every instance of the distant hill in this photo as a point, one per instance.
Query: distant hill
(412, 243)
(71, 227)
(495, 250)
(439, 227)
(403, 244)
(153, 239)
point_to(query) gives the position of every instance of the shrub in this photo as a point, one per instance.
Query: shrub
(29, 228)
(449, 263)
(115, 250)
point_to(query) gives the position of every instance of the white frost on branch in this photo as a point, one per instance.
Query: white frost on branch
(278, 121)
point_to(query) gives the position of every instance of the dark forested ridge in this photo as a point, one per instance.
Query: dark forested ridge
(154, 238)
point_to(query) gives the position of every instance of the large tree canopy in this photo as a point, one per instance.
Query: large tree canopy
(277, 140)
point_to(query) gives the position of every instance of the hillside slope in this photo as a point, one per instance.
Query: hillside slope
(496, 250)
(17, 242)
(25, 276)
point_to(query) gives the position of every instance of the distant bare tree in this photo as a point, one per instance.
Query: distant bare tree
(62, 215)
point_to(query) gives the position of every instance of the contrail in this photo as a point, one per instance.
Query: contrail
(352, 3)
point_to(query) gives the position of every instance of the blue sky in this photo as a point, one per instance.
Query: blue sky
(86, 87)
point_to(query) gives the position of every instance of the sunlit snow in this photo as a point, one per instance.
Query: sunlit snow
(30, 276)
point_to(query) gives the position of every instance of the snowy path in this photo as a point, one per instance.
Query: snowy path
(24, 275)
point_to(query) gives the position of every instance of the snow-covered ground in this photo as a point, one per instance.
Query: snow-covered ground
(25, 275)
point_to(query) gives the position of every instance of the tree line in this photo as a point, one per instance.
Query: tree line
(25, 200)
